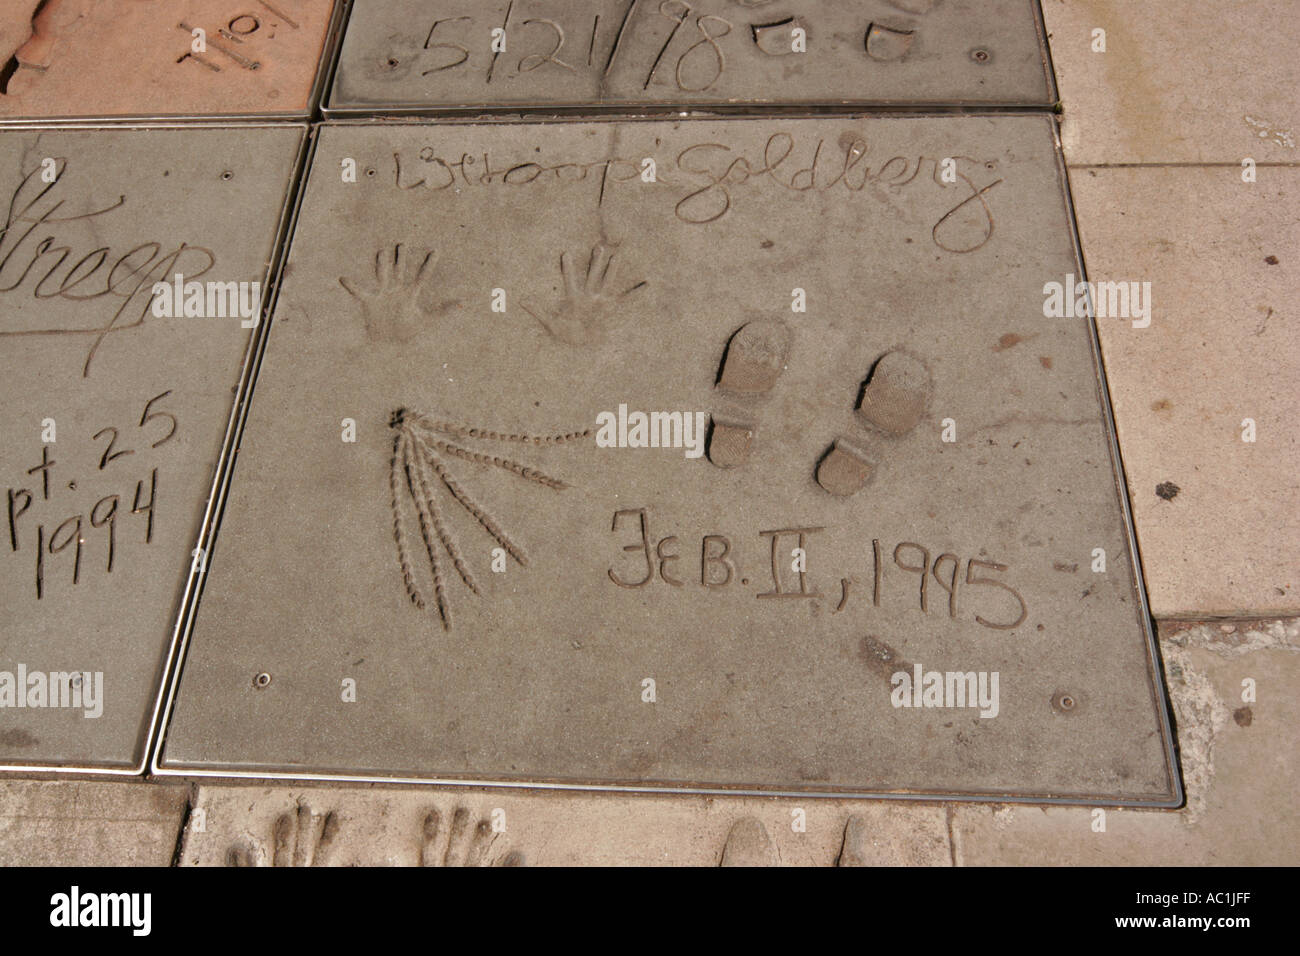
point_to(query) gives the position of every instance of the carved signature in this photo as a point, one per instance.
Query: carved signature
(35, 261)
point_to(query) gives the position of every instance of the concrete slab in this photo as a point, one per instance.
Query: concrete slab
(349, 826)
(1239, 764)
(1206, 393)
(63, 59)
(414, 55)
(81, 823)
(641, 616)
(1199, 84)
(114, 416)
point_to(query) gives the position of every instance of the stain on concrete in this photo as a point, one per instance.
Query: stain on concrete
(881, 658)
(1011, 340)
(17, 738)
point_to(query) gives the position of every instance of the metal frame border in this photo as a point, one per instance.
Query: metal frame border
(1146, 620)
(322, 80)
(166, 668)
(230, 454)
(159, 768)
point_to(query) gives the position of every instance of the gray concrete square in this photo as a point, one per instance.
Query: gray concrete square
(452, 551)
(116, 408)
(646, 54)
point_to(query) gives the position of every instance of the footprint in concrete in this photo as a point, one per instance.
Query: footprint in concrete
(463, 846)
(885, 44)
(893, 402)
(753, 362)
(295, 841)
(748, 845)
(37, 51)
(854, 851)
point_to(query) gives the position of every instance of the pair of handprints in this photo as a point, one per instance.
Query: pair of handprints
(392, 305)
